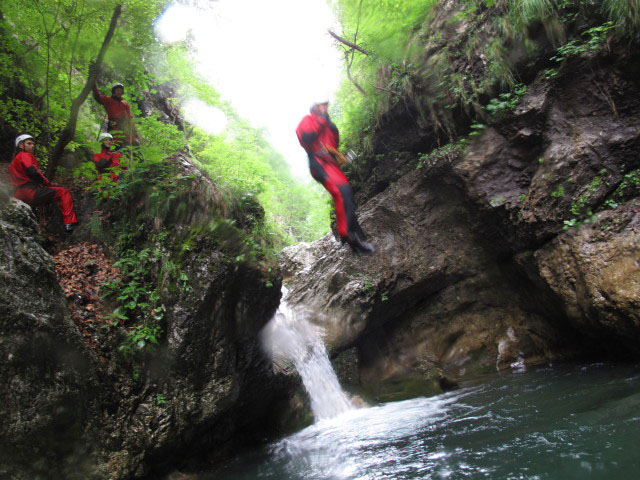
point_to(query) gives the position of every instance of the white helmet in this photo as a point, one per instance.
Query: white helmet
(320, 102)
(104, 135)
(22, 138)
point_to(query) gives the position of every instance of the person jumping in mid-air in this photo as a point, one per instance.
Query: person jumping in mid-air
(33, 188)
(319, 136)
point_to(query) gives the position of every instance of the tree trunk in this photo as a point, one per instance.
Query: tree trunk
(70, 130)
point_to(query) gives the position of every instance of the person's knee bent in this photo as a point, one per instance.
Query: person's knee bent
(61, 192)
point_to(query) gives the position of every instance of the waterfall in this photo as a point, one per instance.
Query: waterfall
(291, 337)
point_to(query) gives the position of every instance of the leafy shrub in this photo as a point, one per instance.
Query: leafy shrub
(595, 41)
(506, 102)
(625, 14)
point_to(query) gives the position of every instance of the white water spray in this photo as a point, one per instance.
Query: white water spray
(290, 336)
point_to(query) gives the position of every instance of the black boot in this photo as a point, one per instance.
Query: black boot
(358, 244)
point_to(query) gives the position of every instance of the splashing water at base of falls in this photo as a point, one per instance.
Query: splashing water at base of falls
(568, 423)
(291, 337)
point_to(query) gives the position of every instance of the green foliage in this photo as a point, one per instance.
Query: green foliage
(477, 129)
(433, 71)
(464, 14)
(146, 269)
(370, 282)
(595, 41)
(574, 222)
(581, 201)
(383, 28)
(558, 193)
(162, 139)
(629, 186)
(500, 64)
(247, 167)
(525, 14)
(143, 262)
(140, 338)
(382, 25)
(19, 114)
(506, 102)
(102, 186)
(367, 286)
(44, 61)
(580, 207)
(625, 14)
(441, 155)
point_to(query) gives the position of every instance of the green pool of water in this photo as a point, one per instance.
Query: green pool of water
(578, 422)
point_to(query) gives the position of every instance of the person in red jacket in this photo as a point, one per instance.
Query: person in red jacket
(121, 123)
(33, 188)
(319, 136)
(108, 161)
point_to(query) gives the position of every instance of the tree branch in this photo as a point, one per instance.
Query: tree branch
(348, 43)
(346, 58)
(382, 89)
(70, 130)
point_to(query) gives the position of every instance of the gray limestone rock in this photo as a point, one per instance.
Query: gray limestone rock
(48, 383)
(474, 269)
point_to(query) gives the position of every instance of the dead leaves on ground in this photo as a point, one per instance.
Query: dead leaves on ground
(82, 269)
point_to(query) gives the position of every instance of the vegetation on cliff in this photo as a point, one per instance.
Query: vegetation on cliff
(155, 213)
(456, 63)
(46, 51)
(455, 68)
(172, 271)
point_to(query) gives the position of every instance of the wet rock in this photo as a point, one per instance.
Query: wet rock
(436, 293)
(48, 383)
(71, 412)
(196, 395)
(595, 270)
(474, 269)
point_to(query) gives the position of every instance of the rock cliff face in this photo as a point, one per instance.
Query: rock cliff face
(48, 380)
(69, 411)
(474, 269)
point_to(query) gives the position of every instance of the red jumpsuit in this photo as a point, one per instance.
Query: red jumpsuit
(34, 189)
(120, 119)
(109, 161)
(314, 132)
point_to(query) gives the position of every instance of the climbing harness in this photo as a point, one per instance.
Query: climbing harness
(338, 155)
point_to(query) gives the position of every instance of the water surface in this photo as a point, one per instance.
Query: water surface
(578, 422)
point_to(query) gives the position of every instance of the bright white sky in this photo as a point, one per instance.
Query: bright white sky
(270, 59)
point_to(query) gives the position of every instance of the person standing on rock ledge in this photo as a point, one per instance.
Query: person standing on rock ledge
(33, 188)
(121, 123)
(320, 138)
